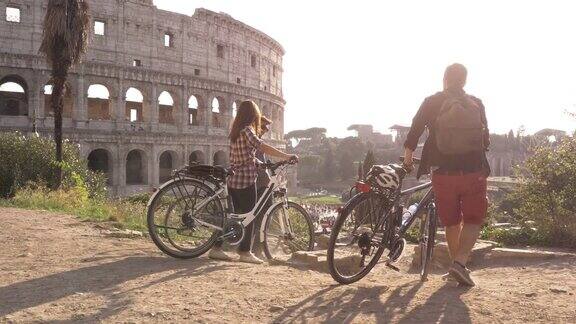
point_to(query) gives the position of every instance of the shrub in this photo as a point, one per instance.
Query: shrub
(522, 236)
(547, 195)
(31, 159)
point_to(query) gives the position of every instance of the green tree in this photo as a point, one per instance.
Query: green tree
(329, 169)
(547, 193)
(26, 160)
(309, 169)
(352, 146)
(64, 41)
(346, 166)
(316, 134)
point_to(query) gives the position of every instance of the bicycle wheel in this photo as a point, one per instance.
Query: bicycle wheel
(427, 241)
(172, 219)
(288, 229)
(356, 244)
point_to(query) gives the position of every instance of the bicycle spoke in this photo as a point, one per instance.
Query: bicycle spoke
(288, 230)
(357, 241)
(178, 232)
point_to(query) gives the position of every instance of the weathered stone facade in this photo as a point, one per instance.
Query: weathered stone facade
(206, 63)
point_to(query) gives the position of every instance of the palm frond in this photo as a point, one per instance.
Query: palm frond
(66, 26)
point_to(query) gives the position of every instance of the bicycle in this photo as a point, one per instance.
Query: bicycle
(190, 212)
(371, 222)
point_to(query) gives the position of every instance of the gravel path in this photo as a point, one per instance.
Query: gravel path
(55, 268)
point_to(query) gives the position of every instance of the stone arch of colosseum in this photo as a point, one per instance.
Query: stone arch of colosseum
(197, 156)
(15, 101)
(136, 168)
(219, 110)
(127, 138)
(102, 160)
(220, 158)
(168, 160)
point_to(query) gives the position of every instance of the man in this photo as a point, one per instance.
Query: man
(261, 185)
(455, 152)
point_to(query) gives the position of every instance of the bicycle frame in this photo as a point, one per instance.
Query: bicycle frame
(422, 205)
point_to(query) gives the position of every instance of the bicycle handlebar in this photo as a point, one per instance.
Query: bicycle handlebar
(273, 166)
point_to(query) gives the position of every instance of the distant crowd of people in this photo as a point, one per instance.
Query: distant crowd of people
(323, 215)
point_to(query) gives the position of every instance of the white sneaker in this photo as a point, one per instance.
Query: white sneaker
(218, 254)
(248, 257)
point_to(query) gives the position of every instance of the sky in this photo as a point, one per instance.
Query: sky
(374, 61)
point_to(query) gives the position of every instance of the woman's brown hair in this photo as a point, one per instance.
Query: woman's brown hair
(248, 114)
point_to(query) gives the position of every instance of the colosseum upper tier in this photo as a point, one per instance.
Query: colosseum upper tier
(156, 89)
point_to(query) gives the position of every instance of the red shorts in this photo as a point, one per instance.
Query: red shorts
(461, 198)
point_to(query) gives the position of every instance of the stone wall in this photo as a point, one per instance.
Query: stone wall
(202, 61)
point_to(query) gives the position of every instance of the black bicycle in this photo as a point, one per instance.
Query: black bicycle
(372, 222)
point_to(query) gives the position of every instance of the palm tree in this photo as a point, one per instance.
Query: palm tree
(64, 41)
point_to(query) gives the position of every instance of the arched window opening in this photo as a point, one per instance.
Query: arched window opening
(134, 105)
(234, 110)
(215, 112)
(11, 87)
(165, 106)
(98, 102)
(166, 166)
(221, 158)
(99, 161)
(193, 111)
(13, 98)
(68, 102)
(196, 157)
(136, 170)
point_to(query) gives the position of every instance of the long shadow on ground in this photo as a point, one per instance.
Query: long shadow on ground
(325, 306)
(103, 279)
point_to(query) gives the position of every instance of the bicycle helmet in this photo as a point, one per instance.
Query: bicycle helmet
(383, 177)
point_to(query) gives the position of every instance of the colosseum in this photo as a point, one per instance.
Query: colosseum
(156, 89)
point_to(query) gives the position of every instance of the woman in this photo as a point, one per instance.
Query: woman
(244, 142)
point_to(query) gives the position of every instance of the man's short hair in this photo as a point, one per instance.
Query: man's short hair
(455, 76)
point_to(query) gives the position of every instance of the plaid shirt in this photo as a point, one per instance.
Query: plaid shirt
(243, 159)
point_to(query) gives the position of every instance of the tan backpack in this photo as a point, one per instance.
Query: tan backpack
(459, 126)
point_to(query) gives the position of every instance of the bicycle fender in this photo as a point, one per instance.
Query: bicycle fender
(169, 182)
(158, 191)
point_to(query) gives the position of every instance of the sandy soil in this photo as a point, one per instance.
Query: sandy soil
(54, 268)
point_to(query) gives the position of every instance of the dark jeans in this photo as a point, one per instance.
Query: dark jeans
(243, 201)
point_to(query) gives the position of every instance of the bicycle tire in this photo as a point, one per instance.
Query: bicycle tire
(173, 250)
(427, 247)
(308, 246)
(340, 221)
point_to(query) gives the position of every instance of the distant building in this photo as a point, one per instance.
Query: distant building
(366, 134)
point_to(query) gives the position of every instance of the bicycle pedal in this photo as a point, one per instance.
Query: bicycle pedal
(393, 267)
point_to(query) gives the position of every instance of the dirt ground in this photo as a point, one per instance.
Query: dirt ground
(55, 268)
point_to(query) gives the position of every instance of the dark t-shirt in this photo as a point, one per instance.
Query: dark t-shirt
(431, 156)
